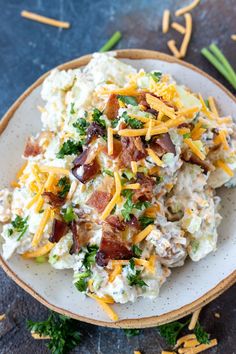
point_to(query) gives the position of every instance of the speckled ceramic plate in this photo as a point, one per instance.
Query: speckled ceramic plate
(189, 287)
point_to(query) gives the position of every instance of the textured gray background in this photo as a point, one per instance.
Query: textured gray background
(27, 50)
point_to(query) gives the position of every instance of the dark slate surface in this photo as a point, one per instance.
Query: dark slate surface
(27, 50)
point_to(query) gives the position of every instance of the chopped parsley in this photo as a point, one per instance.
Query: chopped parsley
(81, 126)
(96, 116)
(64, 185)
(72, 108)
(68, 214)
(128, 206)
(156, 75)
(132, 122)
(81, 283)
(135, 279)
(171, 331)
(62, 330)
(131, 332)
(69, 147)
(136, 251)
(128, 100)
(201, 334)
(19, 225)
(145, 221)
(128, 174)
(131, 264)
(187, 136)
(89, 258)
(159, 179)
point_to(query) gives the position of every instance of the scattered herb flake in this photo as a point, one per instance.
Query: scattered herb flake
(68, 214)
(89, 258)
(19, 225)
(171, 331)
(81, 126)
(108, 172)
(132, 122)
(156, 75)
(72, 108)
(69, 147)
(96, 116)
(128, 100)
(135, 279)
(64, 185)
(201, 334)
(145, 221)
(136, 251)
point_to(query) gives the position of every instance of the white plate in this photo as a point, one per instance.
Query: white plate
(190, 286)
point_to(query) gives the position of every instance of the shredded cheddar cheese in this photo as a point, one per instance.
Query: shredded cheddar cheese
(150, 125)
(39, 252)
(187, 36)
(46, 20)
(132, 186)
(110, 141)
(154, 157)
(179, 28)
(212, 105)
(56, 170)
(115, 198)
(35, 198)
(175, 122)
(200, 348)
(134, 167)
(144, 233)
(129, 91)
(158, 105)
(194, 319)
(21, 170)
(110, 312)
(188, 8)
(38, 336)
(39, 233)
(191, 343)
(49, 182)
(195, 149)
(225, 167)
(185, 338)
(165, 21)
(15, 184)
(39, 204)
(172, 46)
(117, 270)
(143, 131)
(223, 140)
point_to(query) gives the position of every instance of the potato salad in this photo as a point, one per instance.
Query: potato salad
(120, 184)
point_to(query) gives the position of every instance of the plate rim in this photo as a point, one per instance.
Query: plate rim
(143, 322)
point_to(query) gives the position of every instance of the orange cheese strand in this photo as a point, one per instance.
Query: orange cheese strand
(141, 132)
(39, 252)
(110, 312)
(39, 232)
(172, 46)
(144, 233)
(165, 21)
(187, 8)
(194, 319)
(46, 20)
(222, 137)
(194, 149)
(212, 105)
(179, 28)
(225, 167)
(187, 36)
(21, 170)
(154, 157)
(117, 270)
(110, 141)
(158, 105)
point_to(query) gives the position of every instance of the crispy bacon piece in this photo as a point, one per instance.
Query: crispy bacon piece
(32, 147)
(89, 168)
(112, 246)
(132, 150)
(99, 200)
(117, 147)
(94, 130)
(115, 222)
(80, 235)
(112, 107)
(59, 229)
(187, 156)
(53, 199)
(146, 186)
(163, 144)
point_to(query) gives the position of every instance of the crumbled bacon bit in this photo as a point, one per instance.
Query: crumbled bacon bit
(132, 150)
(145, 192)
(115, 222)
(133, 222)
(112, 107)
(112, 246)
(89, 170)
(59, 229)
(53, 199)
(163, 144)
(32, 147)
(94, 130)
(80, 235)
(99, 200)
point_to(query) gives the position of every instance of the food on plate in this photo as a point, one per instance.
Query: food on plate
(120, 184)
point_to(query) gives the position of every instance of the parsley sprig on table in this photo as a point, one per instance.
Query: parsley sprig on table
(62, 330)
(19, 225)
